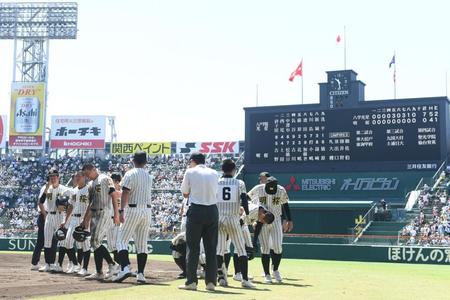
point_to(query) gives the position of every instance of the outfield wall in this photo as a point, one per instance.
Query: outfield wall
(393, 254)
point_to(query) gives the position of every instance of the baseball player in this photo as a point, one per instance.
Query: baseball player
(178, 247)
(275, 198)
(77, 207)
(40, 236)
(135, 216)
(53, 218)
(231, 194)
(102, 204)
(111, 235)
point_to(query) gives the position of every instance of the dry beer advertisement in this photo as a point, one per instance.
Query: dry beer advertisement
(26, 126)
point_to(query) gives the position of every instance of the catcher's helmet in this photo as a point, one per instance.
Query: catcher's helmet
(80, 234)
(271, 186)
(62, 200)
(60, 233)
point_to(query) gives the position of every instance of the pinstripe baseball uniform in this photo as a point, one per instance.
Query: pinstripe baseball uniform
(253, 212)
(185, 205)
(138, 213)
(113, 233)
(228, 203)
(101, 208)
(54, 217)
(273, 203)
(79, 201)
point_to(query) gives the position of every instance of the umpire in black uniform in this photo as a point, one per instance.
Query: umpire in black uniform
(200, 187)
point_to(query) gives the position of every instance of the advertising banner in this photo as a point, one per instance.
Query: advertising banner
(152, 148)
(78, 132)
(208, 147)
(26, 129)
(3, 126)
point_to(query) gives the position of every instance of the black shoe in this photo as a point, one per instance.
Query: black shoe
(181, 276)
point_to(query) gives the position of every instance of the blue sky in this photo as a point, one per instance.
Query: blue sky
(183, 70)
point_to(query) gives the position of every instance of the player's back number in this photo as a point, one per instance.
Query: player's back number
(226, 193)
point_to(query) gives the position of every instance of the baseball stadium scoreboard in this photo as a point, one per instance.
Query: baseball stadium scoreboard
(346, 133)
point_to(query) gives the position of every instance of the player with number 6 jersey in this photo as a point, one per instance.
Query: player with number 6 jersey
(231, 194)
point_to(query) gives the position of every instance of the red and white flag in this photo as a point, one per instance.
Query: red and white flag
(297, 72)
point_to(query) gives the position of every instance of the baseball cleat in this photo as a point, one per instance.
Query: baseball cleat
(82, 272)
(34, 267)
(277, 276)
(181, 276)
(111, 269)
(247, 284)
(124, 274)
(210, 287)
(237, 276)
(45, 268)
(140, 278)
(267, 278)
(95, 276)
(56, 268)
(189, 287)
(76, 268)
(69, 267)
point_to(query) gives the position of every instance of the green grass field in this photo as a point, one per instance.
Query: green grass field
(307, 279)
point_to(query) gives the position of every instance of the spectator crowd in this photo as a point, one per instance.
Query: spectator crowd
(431, 227)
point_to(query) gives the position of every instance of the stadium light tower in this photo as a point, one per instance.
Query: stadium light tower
(31, 25)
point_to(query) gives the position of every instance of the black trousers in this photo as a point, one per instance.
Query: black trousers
(40, 241)
(202, 222)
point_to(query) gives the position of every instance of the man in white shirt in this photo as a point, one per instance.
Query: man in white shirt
(200, 186)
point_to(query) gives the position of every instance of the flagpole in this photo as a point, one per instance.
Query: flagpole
(345, 50)
(302, 79)
(257, 96)
(302, 88)
(446, 85)
(395, 77)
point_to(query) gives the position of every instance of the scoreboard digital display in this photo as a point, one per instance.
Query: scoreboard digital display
(400, 135)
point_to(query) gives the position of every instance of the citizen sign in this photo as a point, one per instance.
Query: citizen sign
(338, 93)
(370, 184)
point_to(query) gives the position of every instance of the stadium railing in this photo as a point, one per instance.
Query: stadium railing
(362, 224)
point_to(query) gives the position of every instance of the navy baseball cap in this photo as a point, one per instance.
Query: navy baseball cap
(264, 174)
(53, 172)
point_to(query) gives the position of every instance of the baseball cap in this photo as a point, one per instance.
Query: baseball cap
(264, 174)
(53, 172)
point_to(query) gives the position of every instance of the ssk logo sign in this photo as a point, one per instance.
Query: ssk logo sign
(208, 147)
